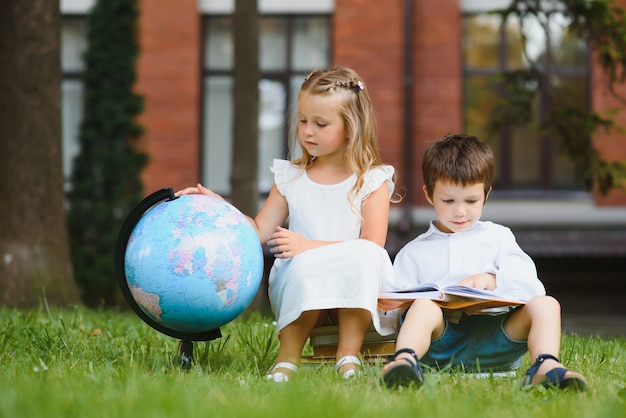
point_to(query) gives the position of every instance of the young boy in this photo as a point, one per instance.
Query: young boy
(459, 248)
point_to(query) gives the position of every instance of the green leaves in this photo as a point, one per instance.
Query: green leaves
(602, 25)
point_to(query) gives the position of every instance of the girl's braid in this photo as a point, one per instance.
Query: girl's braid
(351, 84)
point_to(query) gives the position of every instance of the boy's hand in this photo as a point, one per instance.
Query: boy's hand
(484, 281)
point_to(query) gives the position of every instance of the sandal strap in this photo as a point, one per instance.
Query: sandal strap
(406, 372)
(347, 360)
(284, 365)
(542, 357)
(407, 351)
(532, 371)
(281, 377)
(555, 376)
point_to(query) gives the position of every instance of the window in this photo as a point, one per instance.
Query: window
(290, 46)
(73, 45)
(526, 160)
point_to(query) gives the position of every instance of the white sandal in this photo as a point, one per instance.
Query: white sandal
(348, 374)
(280, 376)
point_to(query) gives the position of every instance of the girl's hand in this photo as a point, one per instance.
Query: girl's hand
(199, 189)
(286, 244)
(484, 281)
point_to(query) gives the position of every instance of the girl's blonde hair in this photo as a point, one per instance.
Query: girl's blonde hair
(357, 112)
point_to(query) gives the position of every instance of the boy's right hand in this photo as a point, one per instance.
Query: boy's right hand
(483, 281)
(198, 189)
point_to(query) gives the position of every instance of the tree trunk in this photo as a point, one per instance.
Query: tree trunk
(34, 255)
(244, 181)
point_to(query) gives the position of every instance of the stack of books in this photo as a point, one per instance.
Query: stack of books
(324, 342)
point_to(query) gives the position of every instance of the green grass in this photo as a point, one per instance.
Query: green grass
(82, 363)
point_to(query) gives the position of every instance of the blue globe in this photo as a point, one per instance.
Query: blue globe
(193, 264)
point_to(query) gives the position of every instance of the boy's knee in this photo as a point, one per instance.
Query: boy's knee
(426, 307)
(425, 304)
(545, 304)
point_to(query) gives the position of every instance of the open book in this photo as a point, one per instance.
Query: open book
(465, 298)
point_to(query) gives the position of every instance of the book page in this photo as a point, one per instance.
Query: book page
(424, 291)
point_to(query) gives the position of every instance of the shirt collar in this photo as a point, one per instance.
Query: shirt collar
(433, 230)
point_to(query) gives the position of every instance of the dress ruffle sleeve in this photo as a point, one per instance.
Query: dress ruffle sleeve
(284, 172)
(376, 177)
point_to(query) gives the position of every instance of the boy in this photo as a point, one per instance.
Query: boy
(459, 248)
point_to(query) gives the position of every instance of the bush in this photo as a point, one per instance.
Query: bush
(105, 181)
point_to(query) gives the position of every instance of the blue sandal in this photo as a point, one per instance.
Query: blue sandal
(555, 378)
(405, 372)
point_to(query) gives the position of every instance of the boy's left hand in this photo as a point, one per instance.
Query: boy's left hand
(484, 281)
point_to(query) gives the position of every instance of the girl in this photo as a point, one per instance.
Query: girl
(330, 262)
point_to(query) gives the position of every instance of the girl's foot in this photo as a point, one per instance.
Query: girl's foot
(282, 372)
(347, 366)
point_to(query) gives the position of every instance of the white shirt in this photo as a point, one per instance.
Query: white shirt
(447, 258)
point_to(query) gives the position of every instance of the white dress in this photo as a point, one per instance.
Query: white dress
(347, 274)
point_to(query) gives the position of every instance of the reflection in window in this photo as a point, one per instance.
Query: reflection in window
(482, 41)
(73, 45)
(218, 111)
(273, 44)
(290, 47)
(526, 159)
(311, 43)
(72, 116)
(219, 51)
(271, 133)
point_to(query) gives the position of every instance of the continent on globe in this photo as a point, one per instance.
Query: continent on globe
(148, 301)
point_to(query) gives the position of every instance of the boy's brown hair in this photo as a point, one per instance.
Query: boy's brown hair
(458, 159)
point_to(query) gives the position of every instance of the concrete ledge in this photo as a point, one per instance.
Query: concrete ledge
(543, 227)
(528, 212)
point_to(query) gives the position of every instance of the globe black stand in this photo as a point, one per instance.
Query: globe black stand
(185, 347)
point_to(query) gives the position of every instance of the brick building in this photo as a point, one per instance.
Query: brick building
(426, 69)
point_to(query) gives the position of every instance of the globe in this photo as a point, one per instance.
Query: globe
(192, 264)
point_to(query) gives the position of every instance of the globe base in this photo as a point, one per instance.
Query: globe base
(184, 357)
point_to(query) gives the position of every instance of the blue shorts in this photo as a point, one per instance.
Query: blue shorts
(477, 343)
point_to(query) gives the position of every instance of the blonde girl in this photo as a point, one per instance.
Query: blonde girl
(329, 260)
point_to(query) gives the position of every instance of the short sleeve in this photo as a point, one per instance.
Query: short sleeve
(284, 172)
(376, 177)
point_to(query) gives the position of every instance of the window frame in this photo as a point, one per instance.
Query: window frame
(72, 75)
(547, 145)
(283, 76)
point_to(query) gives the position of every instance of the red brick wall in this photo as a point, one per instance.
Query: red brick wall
(369, 37)
(169, 79)
(438, 76)
(611, 146)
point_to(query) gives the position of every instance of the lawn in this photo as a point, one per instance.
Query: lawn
(77, 362)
